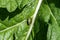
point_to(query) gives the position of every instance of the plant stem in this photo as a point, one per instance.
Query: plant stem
(33, 19)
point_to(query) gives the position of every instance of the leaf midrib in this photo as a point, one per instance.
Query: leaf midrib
(12, 26)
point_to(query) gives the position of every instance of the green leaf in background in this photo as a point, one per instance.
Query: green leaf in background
(11, 5)
(47, 24)
(3, 3)
(54, 28)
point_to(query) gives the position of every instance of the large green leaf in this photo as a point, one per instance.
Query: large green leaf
(13, 25)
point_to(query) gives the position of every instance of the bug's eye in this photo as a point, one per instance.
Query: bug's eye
(29, 21)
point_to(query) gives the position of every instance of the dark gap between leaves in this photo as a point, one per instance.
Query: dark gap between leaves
(4, 13)
(43, 28)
